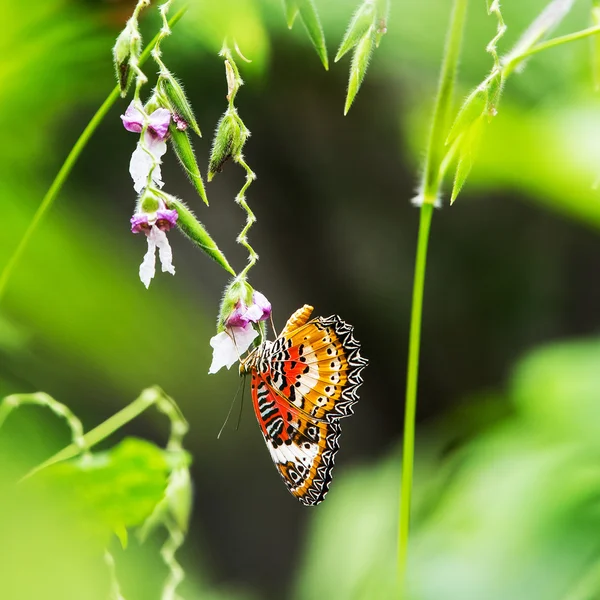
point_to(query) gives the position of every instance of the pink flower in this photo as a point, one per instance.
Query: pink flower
(155, 225)
(146, 158)
(158, 122)
(229, 345)
(259, 310)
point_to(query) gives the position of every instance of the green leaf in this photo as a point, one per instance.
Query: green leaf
(182, 145)
(172, 92)
(308, 13)
(194, 230)
(176, 504)
(358, 68)
(362, 19)
(469, 142)
(473, 107)
(118, 488)
(558, 387)
(291, 12)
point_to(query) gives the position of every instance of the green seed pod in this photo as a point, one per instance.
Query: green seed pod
(180, 140)
(174, 96)
(229, 140)
(122, 55)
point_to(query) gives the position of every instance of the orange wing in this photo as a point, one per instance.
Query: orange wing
(306, 382)
(302, 449)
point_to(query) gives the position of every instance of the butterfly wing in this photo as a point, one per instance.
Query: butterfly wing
(302, 449)
(318, 367)
(306, 382)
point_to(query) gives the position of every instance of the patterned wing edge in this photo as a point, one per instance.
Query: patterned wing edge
(319, 487)
(356, 363)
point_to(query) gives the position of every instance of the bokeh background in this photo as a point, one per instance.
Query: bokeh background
(507, 503)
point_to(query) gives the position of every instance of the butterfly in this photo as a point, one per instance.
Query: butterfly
(303, 384)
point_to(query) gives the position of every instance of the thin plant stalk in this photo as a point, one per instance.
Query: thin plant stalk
(430, 191)
(540, 47)
(69, 163)
(153, 396)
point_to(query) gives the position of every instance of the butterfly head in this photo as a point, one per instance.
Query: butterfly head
(255, 361)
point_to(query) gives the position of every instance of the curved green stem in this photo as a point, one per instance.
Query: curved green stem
(68, 165)
(250, 218)
(149, 397)
(513, 62)
(432, 182)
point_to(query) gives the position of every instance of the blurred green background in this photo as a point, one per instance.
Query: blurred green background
(507, 502)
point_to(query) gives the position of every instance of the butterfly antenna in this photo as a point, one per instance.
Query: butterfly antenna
(241, 405)
(242, 381)
(273, 325)
(235, 346)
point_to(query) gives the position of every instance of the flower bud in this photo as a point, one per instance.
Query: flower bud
(173, 95)
(237, 296)
(182, 145)
(149, 202)
(122, 54)
(228, 142)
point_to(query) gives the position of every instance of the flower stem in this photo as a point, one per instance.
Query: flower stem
(68, 165)
(431, 185)
(250, 218)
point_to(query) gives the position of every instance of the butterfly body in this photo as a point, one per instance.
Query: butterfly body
(303, 383)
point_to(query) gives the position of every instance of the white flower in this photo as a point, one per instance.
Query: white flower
(156, 239)
(229, 345)
(142, 161)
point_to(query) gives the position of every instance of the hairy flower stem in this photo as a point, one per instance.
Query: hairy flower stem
(250, 220)
(432, 181)
(68, 165)
(164, 32)
(234, 82)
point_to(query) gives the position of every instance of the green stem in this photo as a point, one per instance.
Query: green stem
(512, 62)
(430, 191)
(147, 398)
(410, 408)
(68, 165)
(443, 105)
(250, 218)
